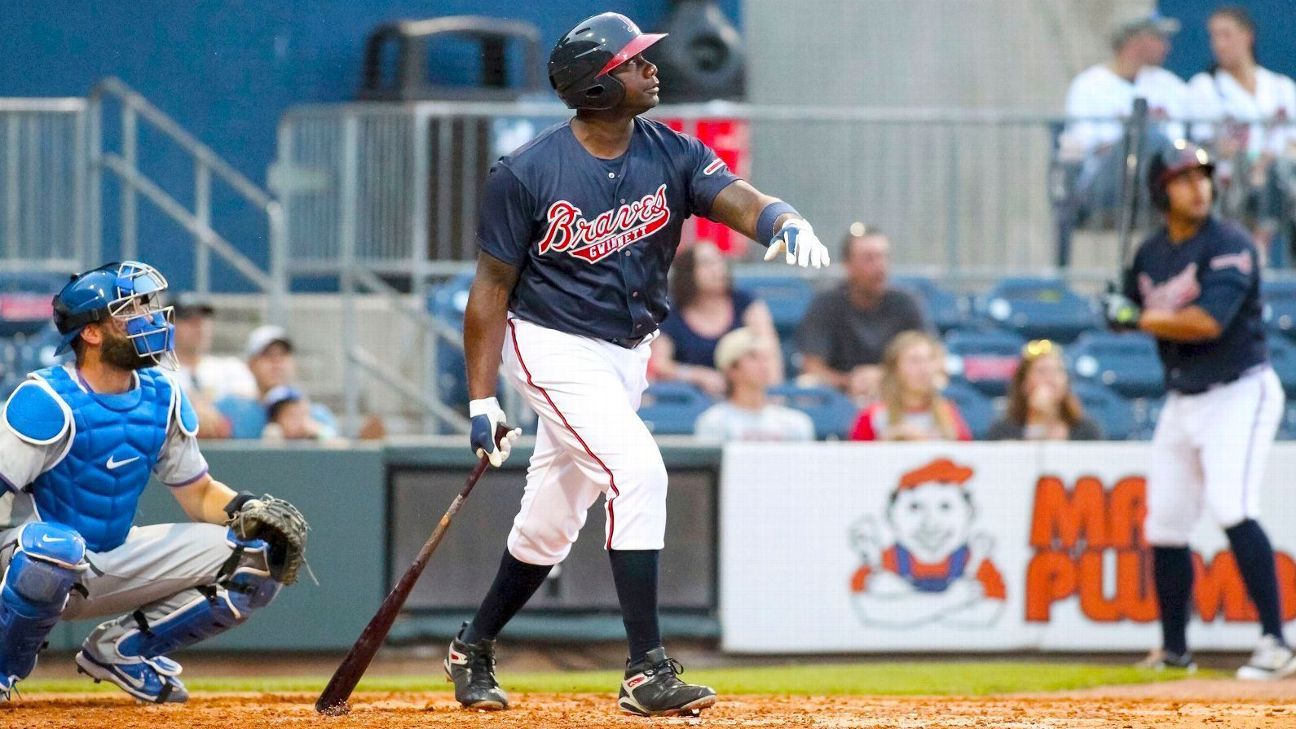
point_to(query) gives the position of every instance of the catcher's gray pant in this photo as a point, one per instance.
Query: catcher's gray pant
(154, 572)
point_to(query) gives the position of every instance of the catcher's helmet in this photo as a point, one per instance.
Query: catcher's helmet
(129, 291)
(1171, 161)
(581, 65)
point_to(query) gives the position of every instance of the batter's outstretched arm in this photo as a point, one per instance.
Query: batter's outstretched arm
(770, 222)
(739, 206)
(485, 321)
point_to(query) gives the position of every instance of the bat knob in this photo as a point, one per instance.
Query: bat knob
(341, 708)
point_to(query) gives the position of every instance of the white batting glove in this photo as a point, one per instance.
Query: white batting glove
(797, 239)
(487, 416)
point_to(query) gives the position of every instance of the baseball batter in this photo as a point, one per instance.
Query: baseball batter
(1195, 286)
(77, 445)
(578, 229)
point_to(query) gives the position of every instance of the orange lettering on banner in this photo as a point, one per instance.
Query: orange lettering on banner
(1218, 587)
(1063, 519)
(1093, 603)
(1134, 588)
(1050, 576)
(1126, 507)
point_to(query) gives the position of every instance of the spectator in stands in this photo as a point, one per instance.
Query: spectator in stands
(847, 329)
(1253, 127)
(1107, 91)
(704, 307)
(1041, 405)
(288, 416)
(270, 357)
(747, 360)
(206, 378)
(910, 406)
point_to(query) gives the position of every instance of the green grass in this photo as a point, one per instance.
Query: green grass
(964, 678)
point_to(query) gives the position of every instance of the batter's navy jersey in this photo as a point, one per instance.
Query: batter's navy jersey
(592, 238)
(1216, 270)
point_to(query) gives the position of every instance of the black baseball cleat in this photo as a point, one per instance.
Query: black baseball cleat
(652, 688)
(471, 667)
(1162, 660)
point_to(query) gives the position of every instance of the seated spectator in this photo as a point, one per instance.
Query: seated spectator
(1041, 405)
(270, 358)
(910, 406)
(846, 330)
(747, 361)
(704, 307)
(1102, 95)
(205, 377)
(288, 415)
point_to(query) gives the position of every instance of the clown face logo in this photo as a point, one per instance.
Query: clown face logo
(927, 563)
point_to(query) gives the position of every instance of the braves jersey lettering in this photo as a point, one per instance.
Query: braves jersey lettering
(594, 240)
(1215, 270)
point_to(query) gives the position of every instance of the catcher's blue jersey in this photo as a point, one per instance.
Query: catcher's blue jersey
(593, 238)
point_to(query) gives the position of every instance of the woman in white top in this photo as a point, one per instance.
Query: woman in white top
(1252, 111)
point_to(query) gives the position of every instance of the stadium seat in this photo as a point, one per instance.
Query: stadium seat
(1112, 412)
(1287, 427)
(1279, 312)
(832, 412)
(447, 302)
(672, 408)
(978, 410)
(984, 358)
(1127, 363)
(1146, 411)
(1282, 355)
(1038, 308)
(788, 298)
(943, 309)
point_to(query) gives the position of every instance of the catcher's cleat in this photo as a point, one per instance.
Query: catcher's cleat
(652, 688)
(149, 680)
(1162, 660)
(471, 667)
(1271, 661)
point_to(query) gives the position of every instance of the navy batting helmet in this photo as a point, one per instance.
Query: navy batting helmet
(1171, 161)
(128, 291)
(581, 65)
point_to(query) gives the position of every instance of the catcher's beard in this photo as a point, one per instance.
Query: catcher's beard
(119, 351)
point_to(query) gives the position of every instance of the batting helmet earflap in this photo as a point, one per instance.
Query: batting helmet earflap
(1175, 159)
(581, 65)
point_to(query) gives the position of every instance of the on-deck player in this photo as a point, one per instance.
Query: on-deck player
(77, 446)
(577, 232)
(1195, 286)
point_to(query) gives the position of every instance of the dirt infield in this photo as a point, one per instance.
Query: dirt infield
(1165, 706)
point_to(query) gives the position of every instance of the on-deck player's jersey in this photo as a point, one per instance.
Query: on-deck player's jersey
(1216, 270)
(593, 238)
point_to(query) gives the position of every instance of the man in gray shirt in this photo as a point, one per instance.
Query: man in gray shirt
(846, 330)
(747, 362)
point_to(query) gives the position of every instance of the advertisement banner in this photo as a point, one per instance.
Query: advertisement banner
(837, 547)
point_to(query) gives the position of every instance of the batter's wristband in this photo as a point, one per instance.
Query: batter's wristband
(765, 223)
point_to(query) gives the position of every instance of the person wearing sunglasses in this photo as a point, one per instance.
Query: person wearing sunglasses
(1041, 405)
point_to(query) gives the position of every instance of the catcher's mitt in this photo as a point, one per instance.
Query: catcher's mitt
(280, 525)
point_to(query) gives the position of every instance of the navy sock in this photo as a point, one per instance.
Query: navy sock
(1172, 570)
(635, 574)
(1255, 560)
(514, 584)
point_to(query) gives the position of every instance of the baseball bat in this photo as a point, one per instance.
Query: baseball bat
(333, 700)
(1135, 132)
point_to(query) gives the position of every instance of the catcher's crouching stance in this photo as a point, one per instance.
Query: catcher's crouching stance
(78, 443)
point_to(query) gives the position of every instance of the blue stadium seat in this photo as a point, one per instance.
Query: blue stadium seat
(36, 351)
(1279, 306)
(978, 410)
(1146, 412)
(1112, 412)
(832, 412)
(1287, 427)
(788, 298)
(672, 408)
(1282, 355)
(1038, 308)
(447, 302)
(1127, 363)
(943, 309)
(984, 358)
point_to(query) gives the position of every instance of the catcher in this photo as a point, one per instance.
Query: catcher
(78, 442)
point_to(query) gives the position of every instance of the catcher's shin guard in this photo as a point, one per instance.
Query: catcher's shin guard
(244, 586)
(46, 564)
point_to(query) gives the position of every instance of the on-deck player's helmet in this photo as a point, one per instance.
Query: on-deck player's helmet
(581, 65)
(129, 291)
(1174, 160)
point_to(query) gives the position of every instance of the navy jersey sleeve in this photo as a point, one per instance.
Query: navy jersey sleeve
(708, 175)
(504, 227)
(1226, 275)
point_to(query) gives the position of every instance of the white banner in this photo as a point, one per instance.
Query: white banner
(833, 547)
